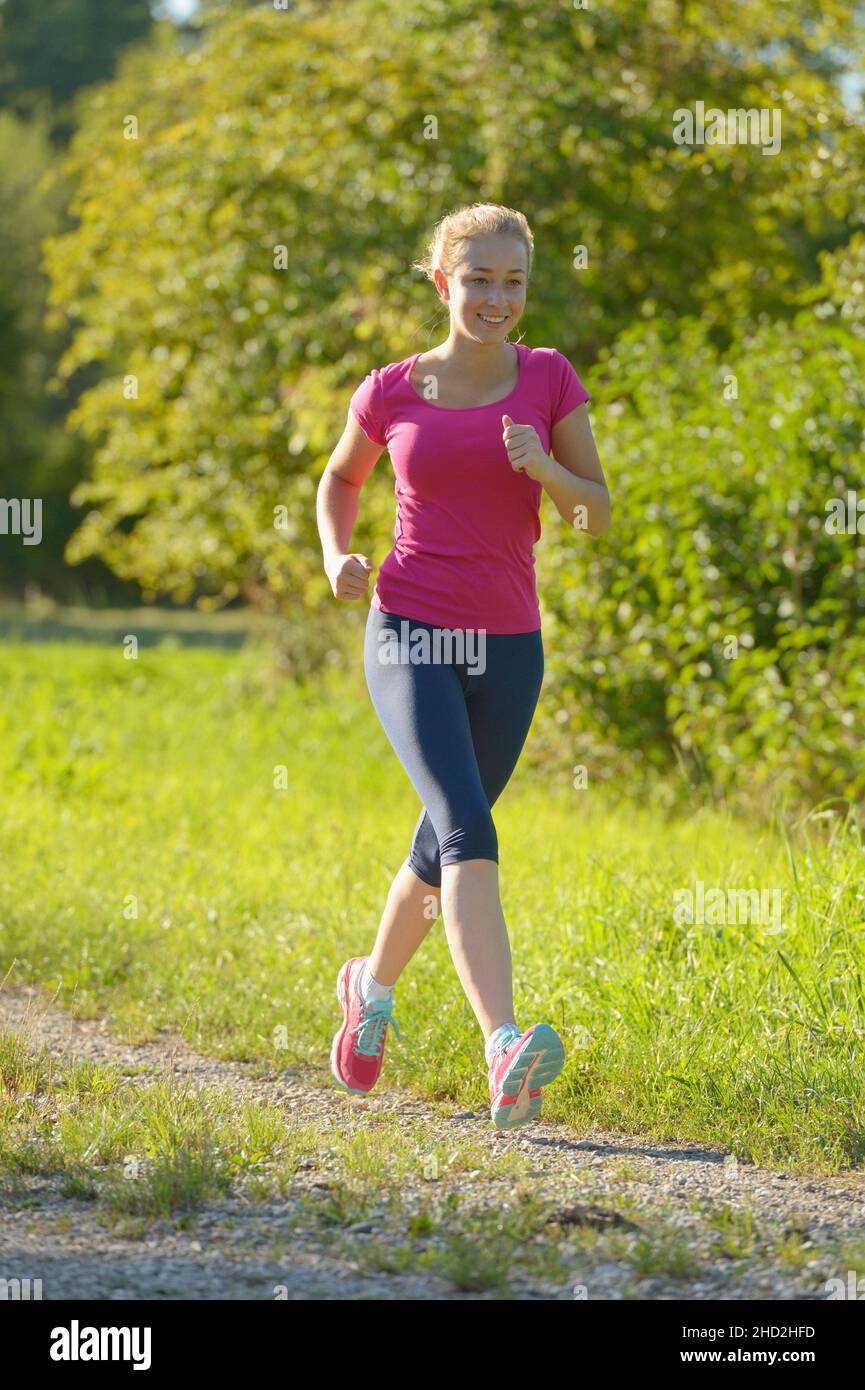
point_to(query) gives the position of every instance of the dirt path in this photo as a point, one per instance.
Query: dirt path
(665, 1198)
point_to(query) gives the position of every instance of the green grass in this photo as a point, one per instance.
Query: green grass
(149, 1150)
(152, 870)
(737, 1231)
(160, 1149)
(157, 1149)
(161, 1146)
(475, 1251)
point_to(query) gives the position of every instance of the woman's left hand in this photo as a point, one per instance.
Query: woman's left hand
(525, 450)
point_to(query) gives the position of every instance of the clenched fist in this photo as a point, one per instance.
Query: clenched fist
(349, 576)
(525, 450)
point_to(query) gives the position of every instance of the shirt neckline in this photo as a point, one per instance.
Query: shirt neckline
(463, 409)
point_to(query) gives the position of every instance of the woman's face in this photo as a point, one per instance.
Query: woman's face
(486, 291)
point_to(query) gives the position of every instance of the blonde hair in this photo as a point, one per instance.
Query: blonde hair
(457, 228)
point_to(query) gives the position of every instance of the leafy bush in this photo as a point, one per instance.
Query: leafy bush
(247, 209)
(719, 622)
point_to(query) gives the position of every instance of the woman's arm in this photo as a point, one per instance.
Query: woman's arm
(574, 478)
(337, 503)
(576, 481)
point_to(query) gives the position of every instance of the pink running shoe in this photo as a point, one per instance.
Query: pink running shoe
(358, 1046)
(518, 1072)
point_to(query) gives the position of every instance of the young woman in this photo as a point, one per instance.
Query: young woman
(453, 653)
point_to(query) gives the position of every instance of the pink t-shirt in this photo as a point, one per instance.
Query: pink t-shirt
(466, 522)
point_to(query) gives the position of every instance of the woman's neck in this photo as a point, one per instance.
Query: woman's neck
(476, 362)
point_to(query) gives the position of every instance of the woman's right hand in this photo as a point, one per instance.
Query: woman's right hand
(349, 576)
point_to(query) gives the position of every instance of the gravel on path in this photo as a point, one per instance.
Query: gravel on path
(235, 1249)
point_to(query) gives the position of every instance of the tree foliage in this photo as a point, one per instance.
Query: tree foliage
(38, 457)
(307, 129)
(721, 621)
(247, 213)
(47, 52)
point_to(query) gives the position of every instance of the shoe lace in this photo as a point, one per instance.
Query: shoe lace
(375, 1016)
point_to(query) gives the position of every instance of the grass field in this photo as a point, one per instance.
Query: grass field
(156, 867)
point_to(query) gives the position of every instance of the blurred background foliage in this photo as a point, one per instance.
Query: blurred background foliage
(204, 252)
(719, 626)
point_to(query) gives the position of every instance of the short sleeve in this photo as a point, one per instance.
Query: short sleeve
(566, 389)
(367, 407)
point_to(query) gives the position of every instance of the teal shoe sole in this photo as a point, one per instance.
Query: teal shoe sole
(538, 1064)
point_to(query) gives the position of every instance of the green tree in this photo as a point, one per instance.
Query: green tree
(47, 52)
(38, 457)
(720, 623)
(340, 133)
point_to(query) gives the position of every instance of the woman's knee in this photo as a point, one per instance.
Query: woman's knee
(426, 868)
(473, 838)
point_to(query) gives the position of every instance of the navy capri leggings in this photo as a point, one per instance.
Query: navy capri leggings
(457, 724)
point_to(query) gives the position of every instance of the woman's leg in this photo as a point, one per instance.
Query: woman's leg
(452, 749)
(422, 708)
(475, 930)
(412, 908)
(501, 704)
(478, 940)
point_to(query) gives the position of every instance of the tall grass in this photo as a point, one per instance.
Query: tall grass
(183, 843)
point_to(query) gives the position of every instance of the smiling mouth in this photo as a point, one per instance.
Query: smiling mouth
(494, 319)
